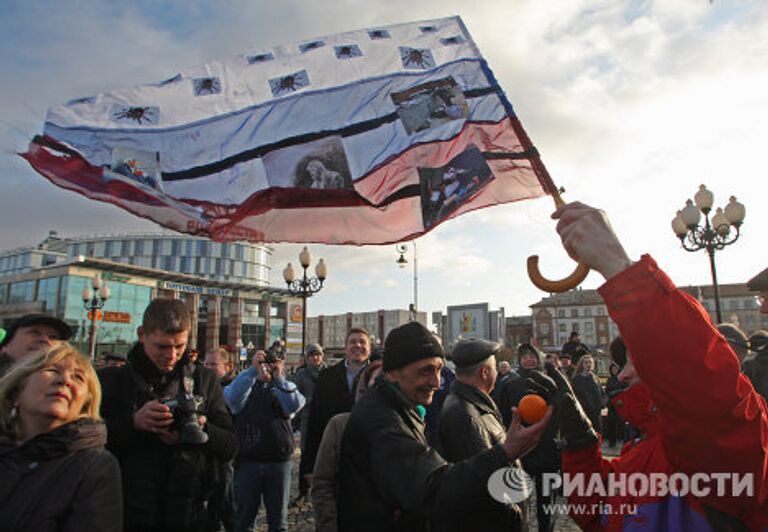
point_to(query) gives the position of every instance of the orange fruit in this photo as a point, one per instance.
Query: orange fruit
(532, 408)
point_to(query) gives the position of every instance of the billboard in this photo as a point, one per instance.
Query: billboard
(467, 322)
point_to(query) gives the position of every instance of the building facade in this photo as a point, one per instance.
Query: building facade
(556, 316)
(519, 329)
(331, 331)
(226, 289)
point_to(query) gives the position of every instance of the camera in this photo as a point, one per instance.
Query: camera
(184, 410)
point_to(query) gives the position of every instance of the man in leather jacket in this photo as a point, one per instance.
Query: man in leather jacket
(471, 423)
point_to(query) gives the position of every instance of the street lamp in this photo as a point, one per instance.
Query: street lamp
(94, 301)
(305, 286)
(402, 262)
(713, 235)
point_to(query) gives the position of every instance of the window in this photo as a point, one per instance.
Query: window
(574, 313)
(588, 326)
(48, 292)
(22, 292)
(575, 327)
(108, 245)
(561, 313)
(601, 326)
(588, 311)
(138, 247)
(562, 327)
(175, 247)
(544, 328)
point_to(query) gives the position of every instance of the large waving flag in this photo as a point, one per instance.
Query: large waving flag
(366, 137)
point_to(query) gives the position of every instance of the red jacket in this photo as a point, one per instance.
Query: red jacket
(698, 412)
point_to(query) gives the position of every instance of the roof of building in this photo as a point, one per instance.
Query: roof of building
(759, 282)
(571, 298)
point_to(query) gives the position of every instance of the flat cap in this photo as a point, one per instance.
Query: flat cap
(64, 331)
(470, 352)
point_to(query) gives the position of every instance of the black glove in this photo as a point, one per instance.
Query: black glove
(574, 425)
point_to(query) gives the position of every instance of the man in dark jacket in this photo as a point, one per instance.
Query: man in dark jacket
(545, 458)
(166, 449)
(469, 424)
(574, 347)
(389, 477)
(334, 390)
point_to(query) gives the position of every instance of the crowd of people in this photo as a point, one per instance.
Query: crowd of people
(407, 439)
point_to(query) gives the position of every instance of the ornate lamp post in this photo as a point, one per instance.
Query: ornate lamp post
(94, 301)
(713, 235)
(305, 286)
(402, 262)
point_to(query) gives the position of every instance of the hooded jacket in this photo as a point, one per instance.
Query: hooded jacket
(62, 480)
(698, 414)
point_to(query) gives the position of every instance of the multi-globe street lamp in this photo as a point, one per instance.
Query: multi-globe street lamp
(94, 301)
(305, 286)
(402, 262)
(713, 235)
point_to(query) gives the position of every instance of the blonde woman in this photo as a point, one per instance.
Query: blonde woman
(55, 474)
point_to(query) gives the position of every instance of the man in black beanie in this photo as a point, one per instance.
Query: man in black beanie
(389, 476)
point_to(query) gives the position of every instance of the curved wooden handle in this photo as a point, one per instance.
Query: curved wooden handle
(573, 280)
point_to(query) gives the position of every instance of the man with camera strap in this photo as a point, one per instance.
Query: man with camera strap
(167, 424)
(263, 402)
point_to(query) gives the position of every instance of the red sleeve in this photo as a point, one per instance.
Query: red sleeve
(586, 462)
(711, 419)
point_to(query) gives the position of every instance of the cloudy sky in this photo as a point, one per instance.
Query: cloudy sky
(631, 104)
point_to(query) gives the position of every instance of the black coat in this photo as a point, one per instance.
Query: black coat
(165, 486)
(389, 477)
(62, 480)
(590, 395)
(546, 455)
(756, 369)
(331, 396)
(470, 423)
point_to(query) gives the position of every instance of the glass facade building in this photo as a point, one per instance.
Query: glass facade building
(224, 285)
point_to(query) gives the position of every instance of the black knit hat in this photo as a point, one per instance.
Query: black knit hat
(409, 343)
(618, 351)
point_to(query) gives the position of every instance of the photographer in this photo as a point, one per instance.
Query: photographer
(167, 424)
(263, 403)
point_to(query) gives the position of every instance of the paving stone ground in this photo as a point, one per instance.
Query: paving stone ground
(301, 519)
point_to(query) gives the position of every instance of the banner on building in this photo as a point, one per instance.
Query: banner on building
(366, 137)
